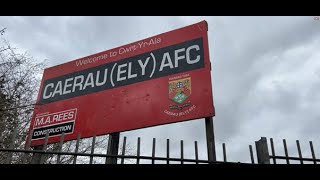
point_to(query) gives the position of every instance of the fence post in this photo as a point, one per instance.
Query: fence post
(36, 157)
(113, 146)
(262, 151)
(27, 147)
(11, 146)
(210, 139)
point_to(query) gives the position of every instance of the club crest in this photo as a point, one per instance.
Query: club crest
(180, 90)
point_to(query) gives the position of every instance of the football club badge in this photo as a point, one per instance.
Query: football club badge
(180, 90)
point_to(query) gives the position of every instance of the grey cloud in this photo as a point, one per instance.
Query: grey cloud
(248, 55)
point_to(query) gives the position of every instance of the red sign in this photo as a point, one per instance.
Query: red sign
(158, 80)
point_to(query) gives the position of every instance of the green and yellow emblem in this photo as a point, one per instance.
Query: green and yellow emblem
(180, 90)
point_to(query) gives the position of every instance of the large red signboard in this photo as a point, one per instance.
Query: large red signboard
(158, 80)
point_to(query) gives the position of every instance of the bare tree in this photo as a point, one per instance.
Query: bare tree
(19, 82)
(2, 31)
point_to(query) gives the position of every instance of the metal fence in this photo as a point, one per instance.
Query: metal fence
(262, 153)
(264, 156)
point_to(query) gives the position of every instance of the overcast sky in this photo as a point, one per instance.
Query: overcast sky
(265, 70)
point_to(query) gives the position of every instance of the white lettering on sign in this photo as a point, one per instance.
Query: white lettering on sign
(181, 113)
(91, 59)
(54, 118)
(122, 50)
(181, 57)
(167, 62)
